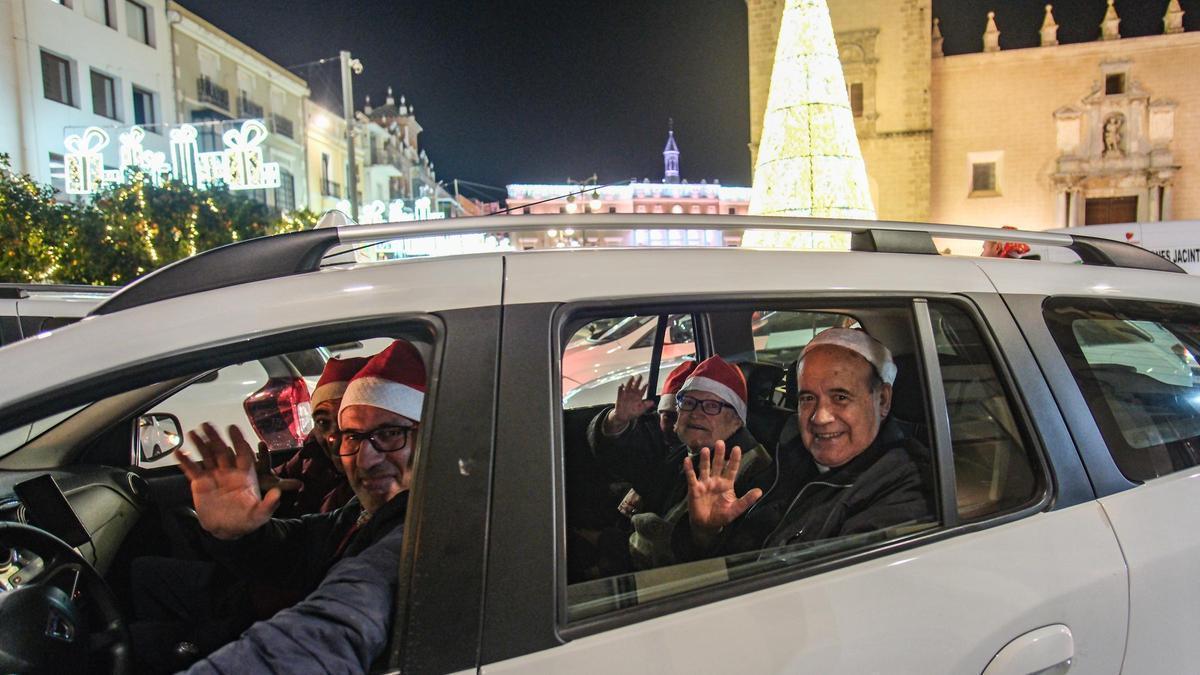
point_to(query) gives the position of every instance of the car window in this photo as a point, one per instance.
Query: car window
(993, 466)
(780, 336)
(1138, 366)
(622, 553)
(594, 367)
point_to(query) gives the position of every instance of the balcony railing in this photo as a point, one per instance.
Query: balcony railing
(208, 91)
(282, 125)
(248, 108)
(331, 189)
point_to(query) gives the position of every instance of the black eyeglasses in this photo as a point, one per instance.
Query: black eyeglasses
(707, 406)
(383, 439)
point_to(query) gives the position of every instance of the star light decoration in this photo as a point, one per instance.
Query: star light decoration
(809, 160)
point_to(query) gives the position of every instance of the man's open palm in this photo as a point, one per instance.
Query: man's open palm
(712, 502)
(225, 485)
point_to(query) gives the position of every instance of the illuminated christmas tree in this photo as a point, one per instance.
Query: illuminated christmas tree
(809, 161)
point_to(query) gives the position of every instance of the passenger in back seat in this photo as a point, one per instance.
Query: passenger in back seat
(711, 408)
(850, 470)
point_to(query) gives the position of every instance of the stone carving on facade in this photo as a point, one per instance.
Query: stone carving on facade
(1112, 135)
(1173, 19)
(991, 34)
(1115, 142)
(1049, 31)
(938, 41)
(1110, 27)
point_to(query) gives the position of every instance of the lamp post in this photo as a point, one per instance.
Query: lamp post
(350, 65)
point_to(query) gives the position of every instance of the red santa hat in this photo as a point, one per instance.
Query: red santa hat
(335, 378)
(717, 376)
(673, 384)
(393, 379)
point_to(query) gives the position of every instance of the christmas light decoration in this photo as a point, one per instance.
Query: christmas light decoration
(809, 160)
(240, 165)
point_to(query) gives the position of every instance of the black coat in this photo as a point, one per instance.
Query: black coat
(880, 488)
(642, 457)
(295, 553)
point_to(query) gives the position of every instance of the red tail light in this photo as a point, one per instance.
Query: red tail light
(280, 412)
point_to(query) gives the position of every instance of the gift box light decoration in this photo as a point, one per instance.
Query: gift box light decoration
(809, 161)
(240, 165)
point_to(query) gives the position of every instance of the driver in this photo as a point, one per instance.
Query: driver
(379, 418)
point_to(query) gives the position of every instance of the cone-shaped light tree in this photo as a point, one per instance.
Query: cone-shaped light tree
(809, 161)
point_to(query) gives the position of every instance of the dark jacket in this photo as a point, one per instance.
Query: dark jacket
(880, 488)
(342, 627)
(324, 488)
(641, 456)
(296, 553)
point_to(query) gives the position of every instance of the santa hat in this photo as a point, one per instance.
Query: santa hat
(335, 378)
(717, 376)
(394, 380)
(673, 384)
(858, 342)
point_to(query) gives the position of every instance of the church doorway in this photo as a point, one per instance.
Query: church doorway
(1104, 210)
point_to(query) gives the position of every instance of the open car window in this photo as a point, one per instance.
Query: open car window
(627, 549)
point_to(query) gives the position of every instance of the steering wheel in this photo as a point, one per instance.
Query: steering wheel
(46, 621)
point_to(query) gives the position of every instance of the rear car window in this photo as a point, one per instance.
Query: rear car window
(1138, 366)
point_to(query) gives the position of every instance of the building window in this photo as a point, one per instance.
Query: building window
(285, 195)
(104, 95)
(676, 209)
(1114, 84)
(137, 23)
(143, 108)
(983, 177)
(56, 79)
(209, 127)
(733, 210)
(856, 98)
(612, 209)
(58, 173)
(99, 11)
(526, 210)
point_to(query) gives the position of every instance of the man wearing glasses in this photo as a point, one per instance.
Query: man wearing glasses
(711, 406)
(379, 421)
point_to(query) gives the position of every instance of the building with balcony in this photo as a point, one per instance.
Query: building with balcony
(220, 82)
(670, 195)
(73, 64)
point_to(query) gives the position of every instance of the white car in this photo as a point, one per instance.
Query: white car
(1066, 494)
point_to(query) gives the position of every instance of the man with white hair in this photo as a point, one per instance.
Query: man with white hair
(850, 471)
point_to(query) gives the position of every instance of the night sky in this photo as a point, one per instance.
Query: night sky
(525, 92)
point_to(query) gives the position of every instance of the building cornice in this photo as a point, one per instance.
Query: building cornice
(1098, 48)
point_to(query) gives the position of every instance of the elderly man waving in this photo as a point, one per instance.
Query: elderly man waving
(854, 472)
(711, 405)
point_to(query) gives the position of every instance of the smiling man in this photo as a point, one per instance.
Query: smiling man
(850, 471)
(379, 417)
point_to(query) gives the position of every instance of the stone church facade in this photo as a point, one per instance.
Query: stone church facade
(1043, 137)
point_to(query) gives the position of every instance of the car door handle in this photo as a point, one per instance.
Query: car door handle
(1046, 651)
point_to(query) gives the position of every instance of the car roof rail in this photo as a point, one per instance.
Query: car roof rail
(298, 252)
(16, 291)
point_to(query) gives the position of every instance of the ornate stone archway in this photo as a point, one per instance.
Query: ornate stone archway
(1115, 146)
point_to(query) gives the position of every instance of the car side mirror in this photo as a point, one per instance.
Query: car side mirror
(157, 435)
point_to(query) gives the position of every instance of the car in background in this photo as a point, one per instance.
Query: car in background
(255, 395)
(29, 309)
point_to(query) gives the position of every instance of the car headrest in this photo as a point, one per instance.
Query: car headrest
(761, 381)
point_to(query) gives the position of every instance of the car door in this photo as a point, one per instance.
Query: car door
(1137, 408)
(1035, 585)
(452, 304)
